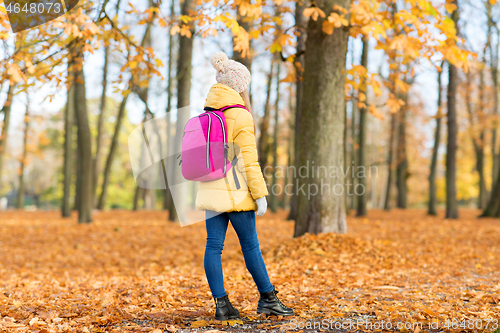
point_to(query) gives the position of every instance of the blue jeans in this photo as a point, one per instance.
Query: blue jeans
(244, 225)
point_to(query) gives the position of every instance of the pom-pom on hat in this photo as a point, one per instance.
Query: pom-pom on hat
(229, 72)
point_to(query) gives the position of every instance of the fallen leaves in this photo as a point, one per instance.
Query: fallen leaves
(137, 272)
(387, 288)
(232, 322)
(199, 323)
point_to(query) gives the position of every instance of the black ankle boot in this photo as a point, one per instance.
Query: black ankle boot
(270, 304)
(224, 310)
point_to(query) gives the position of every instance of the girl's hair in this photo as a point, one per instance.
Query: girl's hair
(246, 98)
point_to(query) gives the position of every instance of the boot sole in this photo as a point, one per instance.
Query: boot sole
(271, 312)
(226, 318)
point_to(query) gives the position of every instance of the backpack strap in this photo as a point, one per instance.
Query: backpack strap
(207, 108)
(234, 162)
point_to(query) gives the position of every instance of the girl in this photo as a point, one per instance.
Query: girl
(223, 201)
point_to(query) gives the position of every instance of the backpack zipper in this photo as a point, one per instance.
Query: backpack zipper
(208, 141)
(223, 138)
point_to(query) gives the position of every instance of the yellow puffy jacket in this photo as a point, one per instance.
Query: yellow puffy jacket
(221, 195)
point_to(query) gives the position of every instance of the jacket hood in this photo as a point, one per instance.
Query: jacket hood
(221, 95)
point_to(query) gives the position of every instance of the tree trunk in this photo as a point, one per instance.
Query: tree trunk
(435, 150)
(353, 163)
(493, 207)
(263, 143)
(246, 24)
(116, 134)
(7, 107)
(478, 141)
(68, 150)
(451, 147)
(361, 209)
(390, 164)
(112, 152)
(300, 22)
(286, 196)
(167, 203)
(322, 126)
(494, 78)
(346, 159)
(78, 168)
(495, 155)
(353, 157)
(84, 141)
(401, 157)
(100, 123)
(479, 146)
(483, 191)
(273, 204)
(184, 69)
(149, 193)
(20, 192)
(346, 136)
(100, 128)
(137, 195)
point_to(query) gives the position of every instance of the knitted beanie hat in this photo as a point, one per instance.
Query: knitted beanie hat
(229, 72)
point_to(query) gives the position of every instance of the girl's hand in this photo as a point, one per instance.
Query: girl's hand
(262, 206)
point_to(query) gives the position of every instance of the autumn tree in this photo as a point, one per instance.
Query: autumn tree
(184, 73)
(264, 140)
(6, 110)
(96, 170)
(478, 130)
(273, 202)
(168, 202)
(23, 161)
(401, 154)
(322, 124)
(431, 209)
(84, 137)
(137, 80)
(300, 32)
(361, 208)
(69, 114)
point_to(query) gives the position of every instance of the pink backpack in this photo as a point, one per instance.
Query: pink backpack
(205, 147)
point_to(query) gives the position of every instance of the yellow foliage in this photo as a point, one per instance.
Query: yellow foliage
(394, 103)
(186, 31)
(242, 42)
(361, 105)
(375, 28)
(174, 30)
(314, 12)
(185, 18)
(15, 73)
(275, 47)
(334, 21)
(450, 7)
(375, 112)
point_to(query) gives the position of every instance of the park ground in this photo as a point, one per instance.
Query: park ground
(137, 272)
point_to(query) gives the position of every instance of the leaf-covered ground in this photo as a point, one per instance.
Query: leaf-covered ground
(134, 271)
